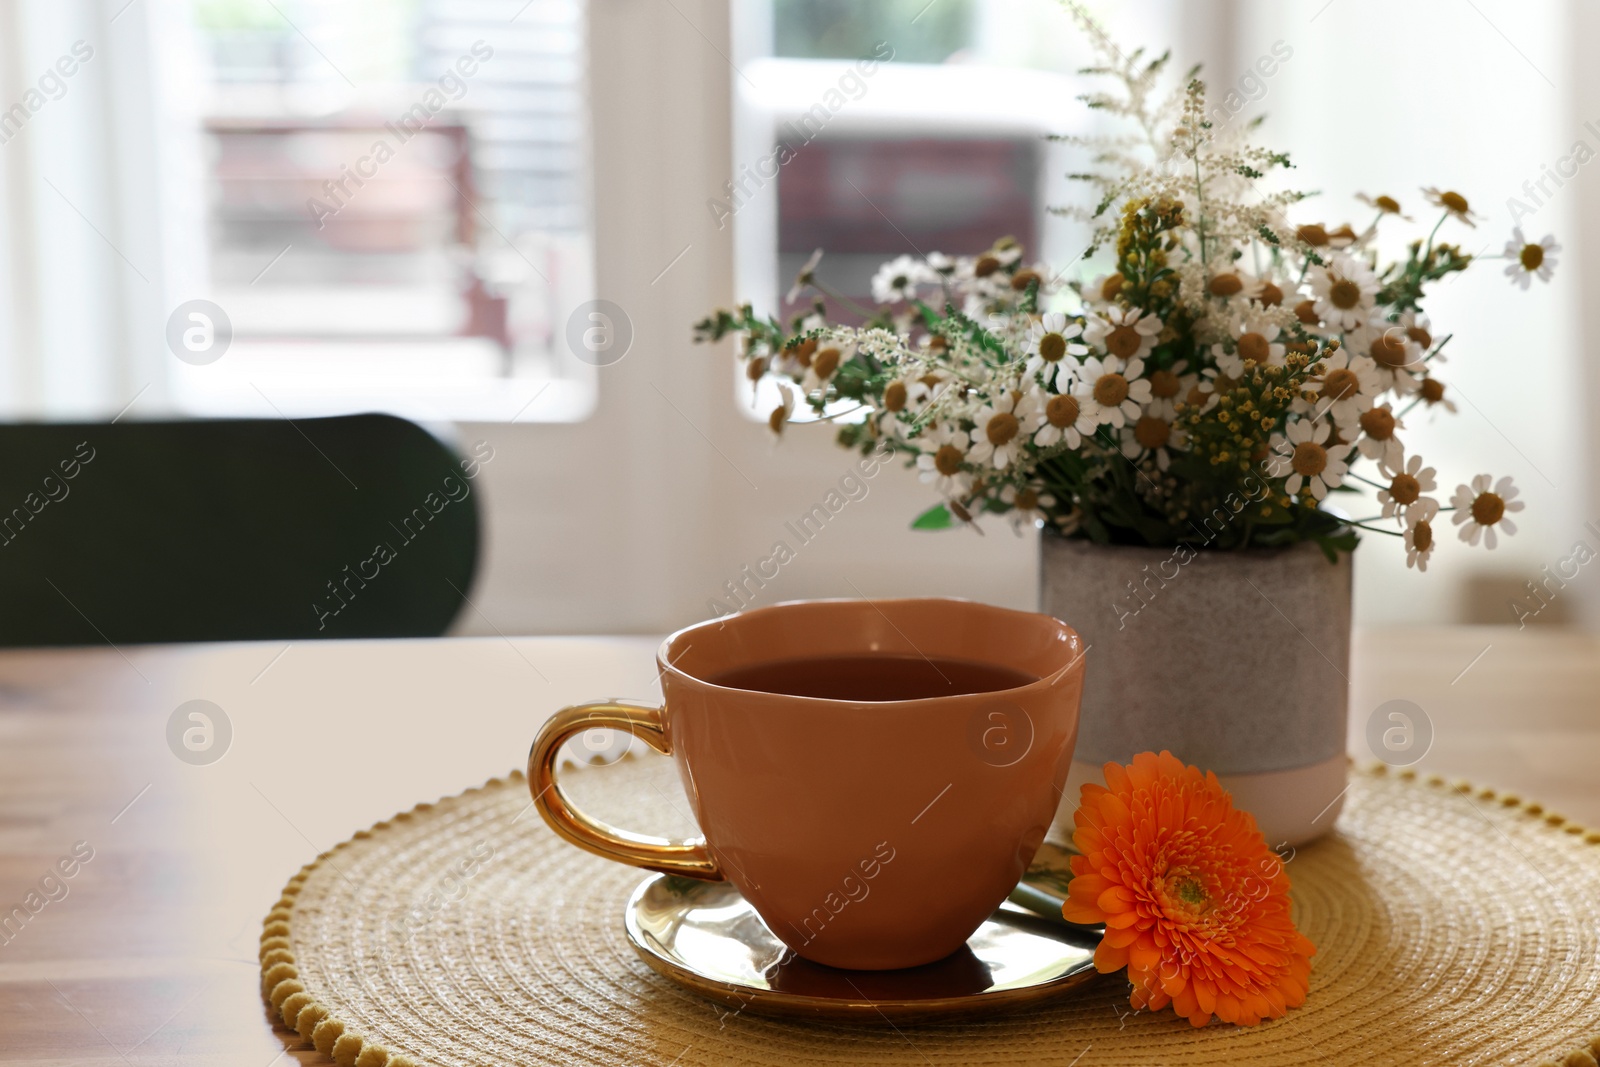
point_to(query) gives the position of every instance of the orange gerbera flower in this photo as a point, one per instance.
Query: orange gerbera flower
(1195, 905)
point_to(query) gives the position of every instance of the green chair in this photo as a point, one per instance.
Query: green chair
(230, 530)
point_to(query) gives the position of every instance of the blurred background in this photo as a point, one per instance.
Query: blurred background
(410, 206)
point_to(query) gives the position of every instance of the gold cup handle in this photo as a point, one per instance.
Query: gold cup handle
(689, 859)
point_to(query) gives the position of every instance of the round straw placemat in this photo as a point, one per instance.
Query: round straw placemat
(1452, 925)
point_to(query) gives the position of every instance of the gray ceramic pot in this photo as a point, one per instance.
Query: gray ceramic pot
(1238, 662)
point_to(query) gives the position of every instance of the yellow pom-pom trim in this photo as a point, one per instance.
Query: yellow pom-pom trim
(278, 972)
(270, 945)
(289, 1010)
(276, 928)
(326, 1033)
(283, 991)
(373, 1056)
(347, 1048)
(276, 955)
(402, 1061)
(309, 1017)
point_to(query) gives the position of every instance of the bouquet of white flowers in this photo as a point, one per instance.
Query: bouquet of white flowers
(1212, 388)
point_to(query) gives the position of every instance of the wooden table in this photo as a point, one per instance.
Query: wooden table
(147, 954)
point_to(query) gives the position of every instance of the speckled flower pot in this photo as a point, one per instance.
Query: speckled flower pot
(1238, 662)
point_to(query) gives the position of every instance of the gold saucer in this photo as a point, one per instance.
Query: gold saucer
(707, 937)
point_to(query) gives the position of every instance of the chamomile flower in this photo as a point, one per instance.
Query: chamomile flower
(1419, 331)
(1028, 505)
(1153, 436)
(1529, 259)
(1377, 440)
(943, 457)
(941, 264)
(824, 364)
(1453, 203)
(1431, 390)
(1311, 466)
(897, 280)
(1111, 391)
(1480, 509)
(1253, 341)
(1104, 289)
(1050, 341)
(1396, 358)
(1167, 388)
(1419, 541)
(1407, 482)
(804, 279)
(780, 414)
(1052, 418)
(1125, 333)
(1386, 205)
(1343, 291)
(997, 432)
(1346, 388)
(1264, 291)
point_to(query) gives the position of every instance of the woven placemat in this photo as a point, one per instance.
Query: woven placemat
(1452, 926)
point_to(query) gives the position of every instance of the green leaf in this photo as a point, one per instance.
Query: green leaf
(937, 517)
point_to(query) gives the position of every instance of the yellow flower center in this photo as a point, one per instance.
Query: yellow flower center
(1488, 509)
(1405, 489)
(1420, 336)
(1001, 428)
(1340, 384)
(1388, 349)
(947, 460)
(1062, 411)
(1306, 312)
(1052, 346)
(1226, 285)
(1024, 278)
(1378, 424)
(1422, 536)
(1432, 390)
(1027, 500)
(1270, 296)
(985, 266)
(1151, 432)
(1164, 384)
(1313, 235)
(1309, 459)
(776, 420)
(824, 363)
(1254, 346)
(1389, 204)
(804, 349)
(1455, 202)
(894, 397)
(756, 368)
(1111, 288)
(1344, 294)
(1532, 257)
(1110, 390)
(1124, 341)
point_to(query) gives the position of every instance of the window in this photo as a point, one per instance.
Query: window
(396, 207)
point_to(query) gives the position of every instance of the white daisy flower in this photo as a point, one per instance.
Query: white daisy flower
(1396, 357)
(1480, 509)
(997, 434)
(1051, 418)
(1168, 387)
(1431, 390)
(1028, 505)
(1419, 541)
(1104, 289)
(825, 363)
(1377, 440)
(944, 452)
(1407, 482)
(1110, 390)
(803, 280)
(1529, 259)
(1125, 333)
(1256, 341)
(897, 280)
(1419, 331)
(1309, 462)
(1453, 204)
(1050, 342)
(1347, 387)
(1343, 292)
(1152, 435)
(781, 413)
(941, 264)
(1264, 291)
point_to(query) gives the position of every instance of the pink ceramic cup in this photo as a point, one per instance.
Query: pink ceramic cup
(868, 835)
